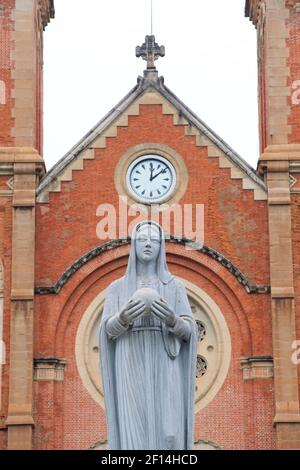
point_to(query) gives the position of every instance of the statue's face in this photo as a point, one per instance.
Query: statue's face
(147, 244)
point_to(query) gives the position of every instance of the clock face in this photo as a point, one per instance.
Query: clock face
(151, 178)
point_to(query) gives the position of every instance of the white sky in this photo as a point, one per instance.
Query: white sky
(90, 64)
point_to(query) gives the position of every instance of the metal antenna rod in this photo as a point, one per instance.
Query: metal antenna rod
(151, 17)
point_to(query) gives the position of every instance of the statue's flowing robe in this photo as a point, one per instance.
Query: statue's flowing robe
(148, 373)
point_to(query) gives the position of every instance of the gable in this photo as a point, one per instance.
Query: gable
(150, 92)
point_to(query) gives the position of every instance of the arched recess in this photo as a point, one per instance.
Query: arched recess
(213, 354)
(63, 313)
(109, 266)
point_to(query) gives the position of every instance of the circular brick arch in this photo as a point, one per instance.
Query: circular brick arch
(192, 266)
(195, 267)
(213, 347)
(59, 317)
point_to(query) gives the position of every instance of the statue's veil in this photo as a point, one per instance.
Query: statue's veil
(163, 273)
(177, 350)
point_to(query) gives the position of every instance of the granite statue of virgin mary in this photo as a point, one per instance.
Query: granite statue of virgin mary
(149, 364)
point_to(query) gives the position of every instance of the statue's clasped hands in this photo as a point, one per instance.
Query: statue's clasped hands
(163, 312)
(135, 308)
(132, 310)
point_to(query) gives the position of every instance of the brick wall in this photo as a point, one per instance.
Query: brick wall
(235, 225)
(21, 26)
(278, 30)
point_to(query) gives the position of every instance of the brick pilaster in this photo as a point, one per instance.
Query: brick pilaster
(275, 163)
(27, 165)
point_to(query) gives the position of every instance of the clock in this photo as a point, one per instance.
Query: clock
(151, 179)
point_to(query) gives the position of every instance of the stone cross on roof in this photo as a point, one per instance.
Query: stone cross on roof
(150, 51)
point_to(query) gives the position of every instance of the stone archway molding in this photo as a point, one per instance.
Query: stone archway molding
(218, 257)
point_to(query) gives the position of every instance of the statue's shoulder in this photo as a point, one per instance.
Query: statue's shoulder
(178, 284)
(116, 284)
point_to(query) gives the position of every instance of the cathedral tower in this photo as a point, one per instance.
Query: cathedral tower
(278, 35)
(21, 60)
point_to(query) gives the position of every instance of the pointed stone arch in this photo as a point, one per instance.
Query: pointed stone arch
(149, 92)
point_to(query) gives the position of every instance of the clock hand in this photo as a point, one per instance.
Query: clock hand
(164, 170)
(151, 169)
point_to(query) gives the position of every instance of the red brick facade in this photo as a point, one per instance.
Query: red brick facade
(278, 34)
(60, 224)
(236, 226)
